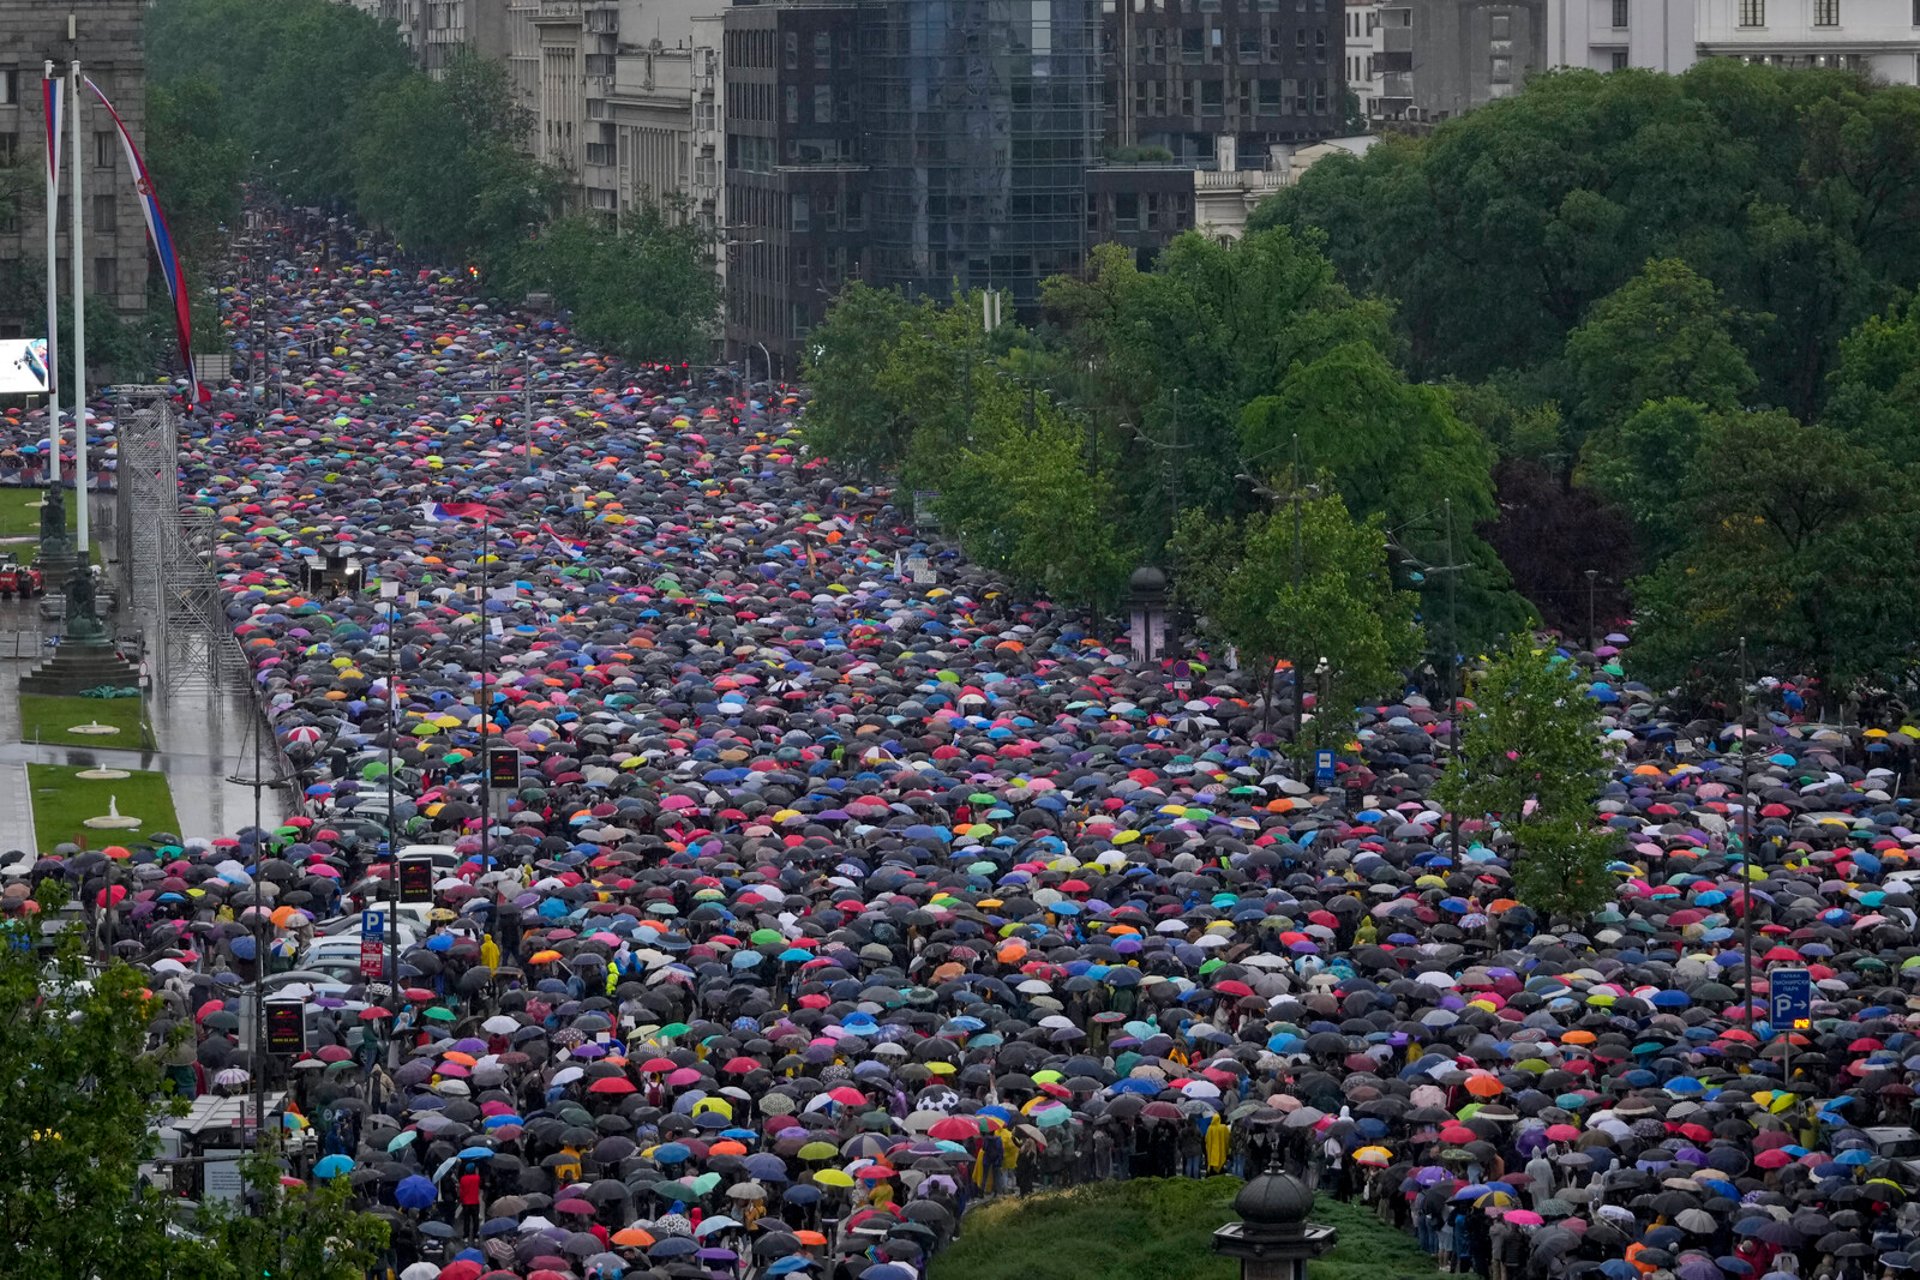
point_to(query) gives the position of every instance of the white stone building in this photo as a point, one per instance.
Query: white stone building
(1881, 37)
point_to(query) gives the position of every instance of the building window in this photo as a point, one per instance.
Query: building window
(822, 51)
(793, 51)
(103, 148)
(9, 88)
(793, 104)
(1619, 15)
(1753, 13)
(823, 104)
(1826, 13)
(1502, 26)
(9, 150)
(1619, 60)
(1502, 70)
(105, 214)
(802, 212)
(106, 276)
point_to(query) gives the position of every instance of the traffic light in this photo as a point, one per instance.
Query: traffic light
(503, 769)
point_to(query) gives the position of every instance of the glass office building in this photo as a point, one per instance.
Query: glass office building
(980, 120)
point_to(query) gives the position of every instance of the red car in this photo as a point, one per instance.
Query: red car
(19, 580)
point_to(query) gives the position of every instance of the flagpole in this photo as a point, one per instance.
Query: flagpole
(55, 87)
(78, 248)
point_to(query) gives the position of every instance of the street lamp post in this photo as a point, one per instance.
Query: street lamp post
(1592, 576)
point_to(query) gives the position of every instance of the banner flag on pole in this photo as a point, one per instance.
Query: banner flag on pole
(162, 240)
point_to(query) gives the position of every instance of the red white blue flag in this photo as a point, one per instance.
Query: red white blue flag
(453, 512)
(163, 248)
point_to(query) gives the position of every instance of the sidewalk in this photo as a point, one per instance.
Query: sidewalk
(215, 727)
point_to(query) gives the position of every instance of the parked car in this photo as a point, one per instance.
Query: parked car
(22, 580)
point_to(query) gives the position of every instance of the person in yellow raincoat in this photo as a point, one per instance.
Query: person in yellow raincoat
(490, 953)
(1219, 1137)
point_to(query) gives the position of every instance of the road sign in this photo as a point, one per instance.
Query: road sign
(373, 958)
(373, 923)
(1323, 767)
(1790, 996)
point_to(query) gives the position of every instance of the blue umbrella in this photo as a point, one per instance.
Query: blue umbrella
(333, 1166)
(414, 1192)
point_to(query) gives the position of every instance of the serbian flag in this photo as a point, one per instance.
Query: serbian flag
(452, 512)
(53, 95)
(162, 241)
(574, 547)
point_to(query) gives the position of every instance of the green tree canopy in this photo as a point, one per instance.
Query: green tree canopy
(1335, 599)
(1530, 758)
(645, 290)
(1794, 192)
(1663, 334)
(1804, 543)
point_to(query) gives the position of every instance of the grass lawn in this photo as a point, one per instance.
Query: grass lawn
(19, 520)
(1152, 1229)
(62, 803)
(46, 718)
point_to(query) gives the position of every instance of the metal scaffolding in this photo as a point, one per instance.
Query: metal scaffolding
(165, 555)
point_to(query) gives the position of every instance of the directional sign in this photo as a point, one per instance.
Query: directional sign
(1790, 995)
(373, 958)
(1323, 767)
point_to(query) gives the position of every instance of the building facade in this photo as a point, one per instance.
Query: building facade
(797, 191)
(108, 45)
(1880, 38)
(1361, 76)
(1609, 35)
(1180, 73)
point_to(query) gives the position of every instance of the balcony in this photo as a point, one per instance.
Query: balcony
(1397, 85)
(1395, 39)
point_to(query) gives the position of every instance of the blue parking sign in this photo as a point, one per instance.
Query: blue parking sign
(1323, 767)
(1790, 999)
(373, 924)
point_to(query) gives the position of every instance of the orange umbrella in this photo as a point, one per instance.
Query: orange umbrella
(1485, 1086)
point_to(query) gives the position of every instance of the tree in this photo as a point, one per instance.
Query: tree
(1339, 603)
(1876, 384)
(645, 290)
(1663, 334)
(1496, 234)
(438, 163)
(1180, 351)
(1642, 466)
(197, 164)
(1021, 502)
(293, 1232)
(81, 1090)
(1530, 757)
(1804, 542)
(1399, 451)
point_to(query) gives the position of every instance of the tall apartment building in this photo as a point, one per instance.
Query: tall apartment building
(1361, 75)
(109, 47)
(1180, 73)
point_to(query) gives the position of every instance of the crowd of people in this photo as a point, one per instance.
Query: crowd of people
(835, 896)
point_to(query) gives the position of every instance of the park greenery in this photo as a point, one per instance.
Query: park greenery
(1657, 327)
(1151, 1228)
(318, 104)
(80, 1048)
